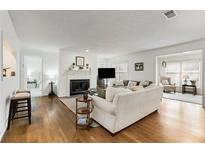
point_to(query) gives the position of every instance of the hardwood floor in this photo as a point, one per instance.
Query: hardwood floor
(52, 121)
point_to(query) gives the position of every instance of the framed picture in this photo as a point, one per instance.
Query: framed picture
(139, 66)
(80, 61)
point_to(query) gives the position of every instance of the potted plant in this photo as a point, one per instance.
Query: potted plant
(193, 82)
(87, 66)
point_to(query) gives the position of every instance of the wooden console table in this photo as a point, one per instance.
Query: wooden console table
(194, 89)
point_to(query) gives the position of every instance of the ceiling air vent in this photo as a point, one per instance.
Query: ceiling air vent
(170, 14)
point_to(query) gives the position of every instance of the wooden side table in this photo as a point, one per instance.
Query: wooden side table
(83, 119)
(194, 92)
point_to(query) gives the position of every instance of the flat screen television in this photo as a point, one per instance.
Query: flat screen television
(106, 73)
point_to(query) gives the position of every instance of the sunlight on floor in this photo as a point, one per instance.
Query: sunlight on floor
(197, 99)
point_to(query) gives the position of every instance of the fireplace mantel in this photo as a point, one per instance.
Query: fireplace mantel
(77, 75)
(83, 71)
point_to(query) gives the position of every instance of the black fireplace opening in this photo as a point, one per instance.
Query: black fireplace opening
(79, 86)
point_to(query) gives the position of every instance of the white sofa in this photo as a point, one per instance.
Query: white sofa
(126, 108)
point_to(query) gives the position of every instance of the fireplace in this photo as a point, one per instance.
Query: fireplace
(79, 86)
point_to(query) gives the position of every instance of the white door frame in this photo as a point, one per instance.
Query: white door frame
(203, 73)
(40, 57)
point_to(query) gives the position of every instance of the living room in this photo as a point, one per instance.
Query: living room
(102, 69)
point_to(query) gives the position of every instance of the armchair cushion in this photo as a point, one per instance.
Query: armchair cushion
(165, 82)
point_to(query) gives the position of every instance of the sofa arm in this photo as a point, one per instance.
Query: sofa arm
(104, 105)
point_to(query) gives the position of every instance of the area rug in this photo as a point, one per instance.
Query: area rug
(70, 102)
(189, 98)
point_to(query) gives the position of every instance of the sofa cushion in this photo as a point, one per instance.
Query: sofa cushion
(112, 91)
(165, 82)
(19, 96)
(136, 88)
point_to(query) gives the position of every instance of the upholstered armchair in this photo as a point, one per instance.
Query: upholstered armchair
(167, 85)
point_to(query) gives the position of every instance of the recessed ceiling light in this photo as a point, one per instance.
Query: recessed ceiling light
(86, 50)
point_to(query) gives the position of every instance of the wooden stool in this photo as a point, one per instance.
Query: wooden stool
(16, 100)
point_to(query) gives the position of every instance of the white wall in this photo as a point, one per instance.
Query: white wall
(149, 59)
(10, 84)
(49, 65)
(66, 58)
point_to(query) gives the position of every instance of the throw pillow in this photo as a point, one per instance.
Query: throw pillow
(151, 85)
(125, 82)
(145, 83)
(112, 91)
(132, 84)
(165, 82)
(137, 82)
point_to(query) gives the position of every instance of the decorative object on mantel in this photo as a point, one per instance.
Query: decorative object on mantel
(139, 66)
(164, 64)
(73, 65)
(80, 61)
(87, 66)
(79, 65)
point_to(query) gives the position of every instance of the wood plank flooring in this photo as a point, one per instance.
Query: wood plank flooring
(52, 121)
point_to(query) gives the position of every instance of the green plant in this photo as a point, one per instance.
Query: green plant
(193, 82)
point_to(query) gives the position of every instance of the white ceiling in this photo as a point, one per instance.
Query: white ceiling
(106, 32)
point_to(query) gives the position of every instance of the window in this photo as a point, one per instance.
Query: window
(176, 70)
(192, 69)
(173, 71)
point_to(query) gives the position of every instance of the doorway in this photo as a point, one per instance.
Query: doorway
(181, 75)
(33, 75)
